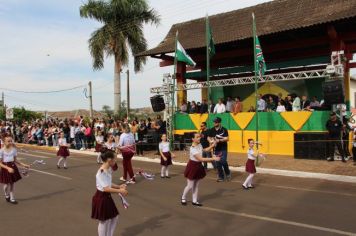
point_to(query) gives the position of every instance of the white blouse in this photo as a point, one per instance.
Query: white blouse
(164, 147)
(8, 156)
(99, 139)
(103, 179)
(197, 150)
(62, 142)
(250, 154)
(111, 146)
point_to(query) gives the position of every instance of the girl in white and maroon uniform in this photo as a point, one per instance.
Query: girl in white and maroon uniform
(99, 139)
(111, 145)
(103, 206)
(195, 171)
(9, 173)
(250, 165)
(166, 156)
(63, 151)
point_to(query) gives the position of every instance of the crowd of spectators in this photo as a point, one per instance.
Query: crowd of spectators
(80, 133)
(265, 103)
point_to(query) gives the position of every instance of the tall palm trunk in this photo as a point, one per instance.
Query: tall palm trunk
(117, 87)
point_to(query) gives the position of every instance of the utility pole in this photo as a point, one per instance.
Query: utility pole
(90, 101)
(128, 93)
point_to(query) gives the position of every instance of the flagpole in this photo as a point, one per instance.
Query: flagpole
(256, 78)
(207, 55)
(173, 92)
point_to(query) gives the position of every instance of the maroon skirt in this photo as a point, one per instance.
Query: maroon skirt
(103, 206)
(194, 170)
(9, 178)
(250, 166)
(63, 152)
(98, 147)
(169, 159)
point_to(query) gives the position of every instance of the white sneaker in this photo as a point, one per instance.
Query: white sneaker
(131, 182)
(122, 179)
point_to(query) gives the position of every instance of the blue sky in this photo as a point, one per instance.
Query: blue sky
(43, 47)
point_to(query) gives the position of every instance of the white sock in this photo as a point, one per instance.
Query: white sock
(98, 158)
(6, 189)
(190, 184)
(167, 171)
(12, 195)
(65, 162)
(112, 225)
(59, 161)
(248, 181)
(195, 191)
(103, 228)
(163, 170)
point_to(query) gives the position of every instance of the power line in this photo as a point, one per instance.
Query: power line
(53, 91)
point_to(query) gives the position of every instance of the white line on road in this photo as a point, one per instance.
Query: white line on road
(297, 189)
(51, 174)
(279, 221)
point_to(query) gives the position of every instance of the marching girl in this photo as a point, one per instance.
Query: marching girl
(9, 173)
(103, 206)
(250, 165)
(110, 145)
(195, 171)
(166, 156)
(63, 151)
(99, 144)
(127, 147)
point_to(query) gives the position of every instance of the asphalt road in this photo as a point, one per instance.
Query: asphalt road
(58, 202)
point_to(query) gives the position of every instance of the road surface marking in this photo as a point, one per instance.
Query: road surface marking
(51, 174)
(279, 221)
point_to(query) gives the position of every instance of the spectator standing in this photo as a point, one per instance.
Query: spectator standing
(334, 127)
(296, 103)
(314, 103)
(238, 107)
(280, 107)
(271, 105)
(211, 106)
(220, 107)
(261, 104)
(305, 106)
(229, 105)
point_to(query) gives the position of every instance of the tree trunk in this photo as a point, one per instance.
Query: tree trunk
(117, 87)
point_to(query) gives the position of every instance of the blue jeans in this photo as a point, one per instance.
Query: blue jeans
(222, 165)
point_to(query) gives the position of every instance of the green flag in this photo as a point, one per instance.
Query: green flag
(182, 56)
(260, 63)
(210, 39)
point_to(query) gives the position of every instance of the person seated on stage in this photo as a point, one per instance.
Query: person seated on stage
(271, 105)
(204, 107)
(280, 107)
(288, 102)
(184, 107)
(193, 108)
(305, 105)
(314, 102)
(252, 109)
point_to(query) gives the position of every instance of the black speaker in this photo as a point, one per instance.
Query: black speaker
(334, 92)
(157, 103)
(310, 145)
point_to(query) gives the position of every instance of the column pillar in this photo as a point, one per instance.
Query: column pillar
(182, 94)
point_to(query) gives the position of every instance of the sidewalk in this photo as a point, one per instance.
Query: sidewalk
(274, 165)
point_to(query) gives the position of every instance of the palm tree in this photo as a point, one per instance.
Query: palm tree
(122, 30)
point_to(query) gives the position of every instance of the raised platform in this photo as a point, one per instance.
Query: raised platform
(276, 130)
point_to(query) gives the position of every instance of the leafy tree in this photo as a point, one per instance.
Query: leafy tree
(122, 30)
